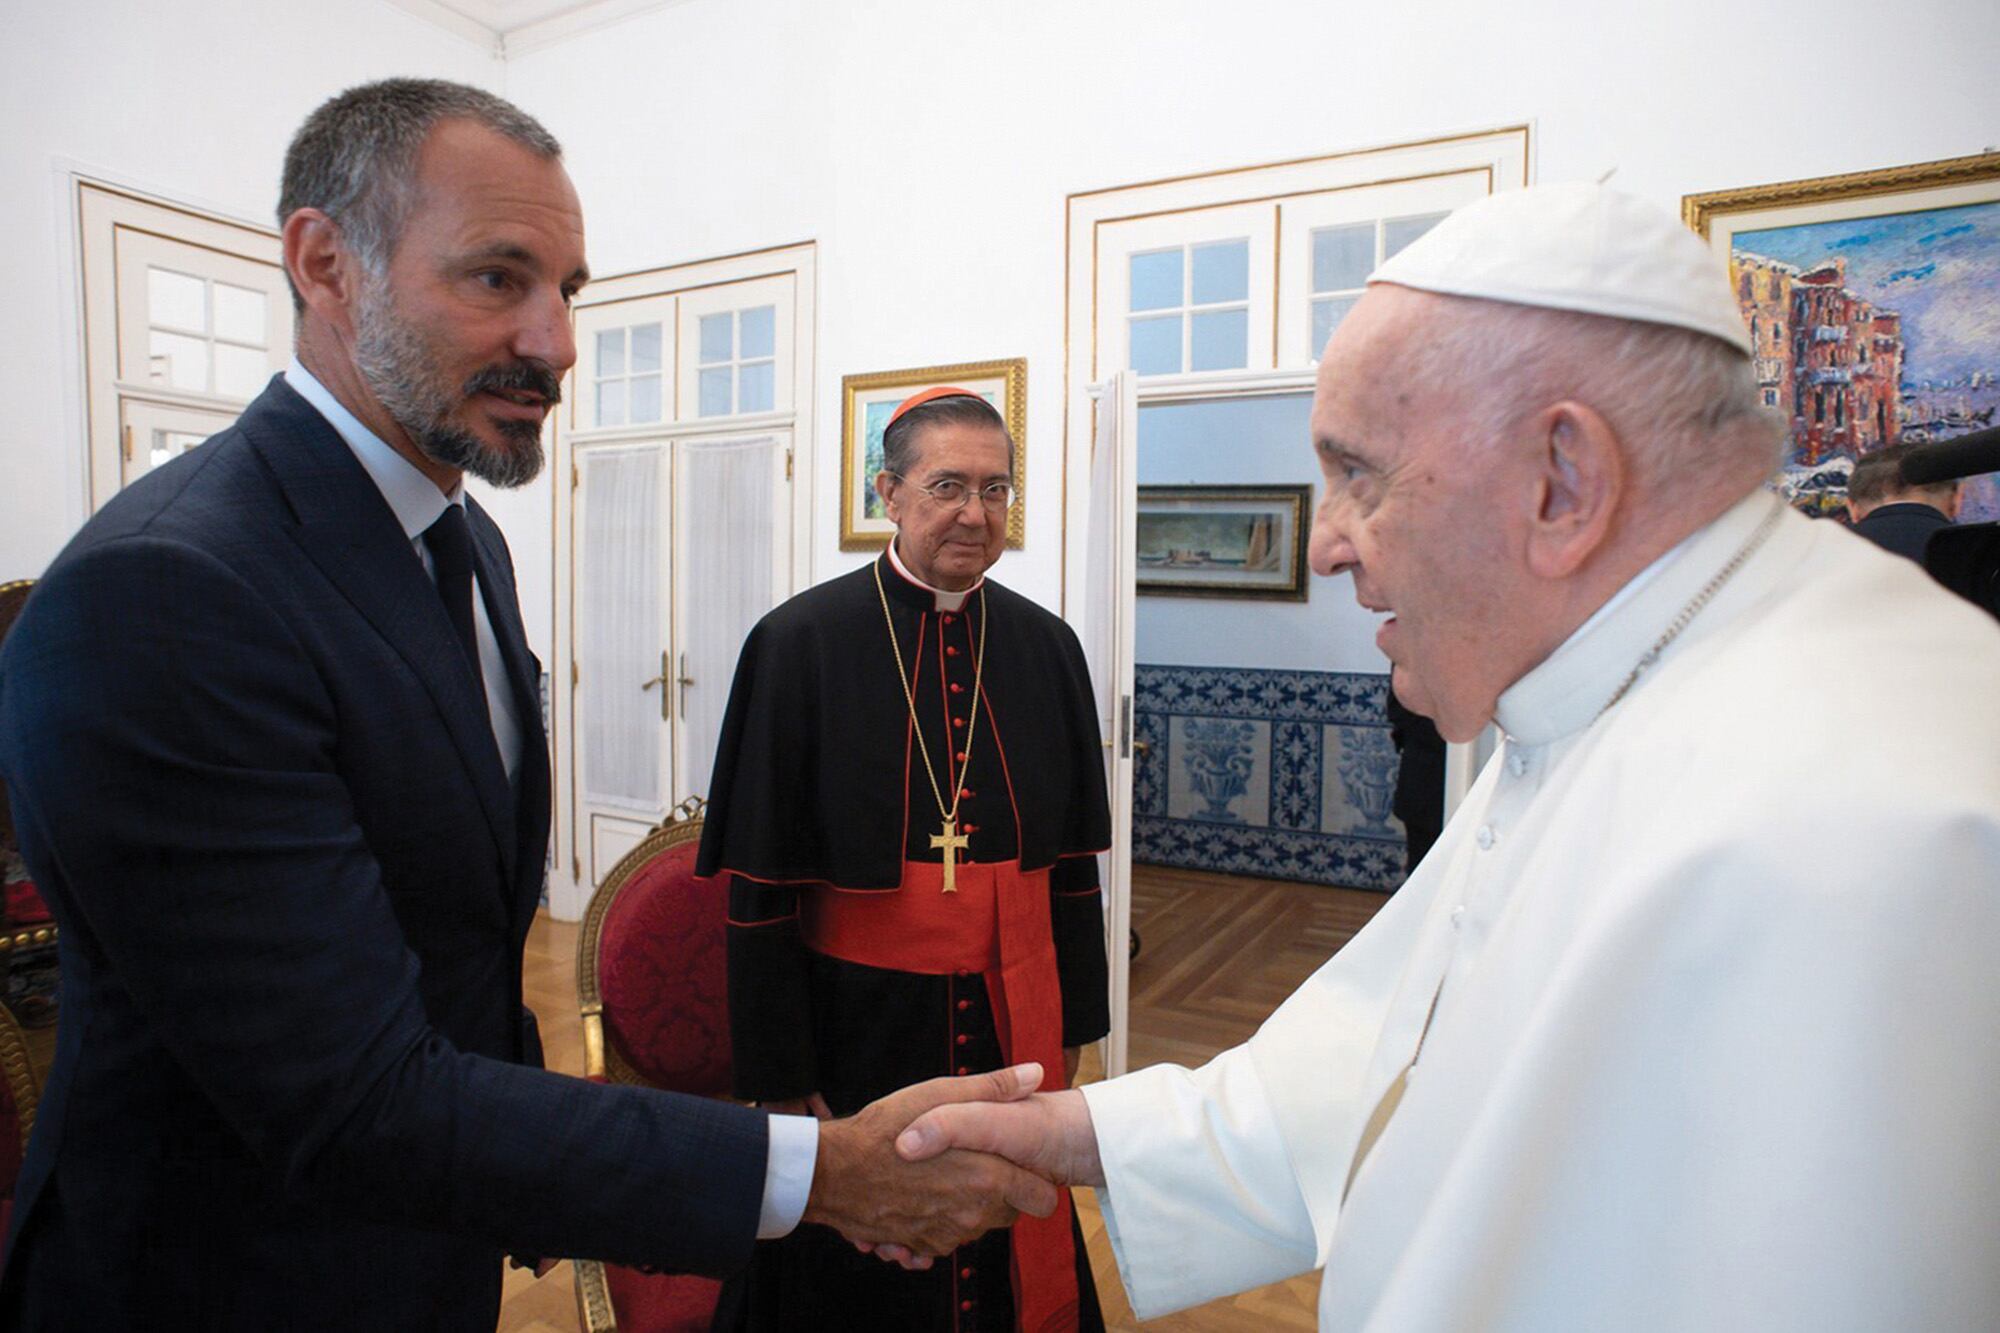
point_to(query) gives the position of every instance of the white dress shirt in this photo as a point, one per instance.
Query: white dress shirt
(417, 503)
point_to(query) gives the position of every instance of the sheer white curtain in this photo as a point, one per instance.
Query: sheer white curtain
(619, 609)
(729, 544)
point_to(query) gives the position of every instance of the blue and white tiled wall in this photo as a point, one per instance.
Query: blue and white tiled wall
(1279, 774)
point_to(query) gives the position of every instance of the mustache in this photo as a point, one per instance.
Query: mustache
(521, 377)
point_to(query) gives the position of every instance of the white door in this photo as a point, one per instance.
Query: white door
(682, 545)
(732, 563)
(1108, 645)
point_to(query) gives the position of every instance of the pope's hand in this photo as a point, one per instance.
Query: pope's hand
(863, 1189)
(1050, 1134)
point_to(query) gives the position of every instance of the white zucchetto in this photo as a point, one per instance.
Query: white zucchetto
(1575, 246)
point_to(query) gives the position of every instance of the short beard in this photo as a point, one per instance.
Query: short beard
(396, 364)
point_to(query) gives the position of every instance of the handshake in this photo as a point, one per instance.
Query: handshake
(929, 1168)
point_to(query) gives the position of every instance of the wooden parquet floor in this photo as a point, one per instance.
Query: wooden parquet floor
(1219, 954)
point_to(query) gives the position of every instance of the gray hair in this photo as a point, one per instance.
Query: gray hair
(1688, 404)
(899, 442)
(1879, 477)
(354, 159)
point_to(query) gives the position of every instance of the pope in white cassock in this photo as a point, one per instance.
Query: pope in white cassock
(1692, 1018)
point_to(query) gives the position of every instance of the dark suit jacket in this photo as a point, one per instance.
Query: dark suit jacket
(295, 1086)
(1903, 528)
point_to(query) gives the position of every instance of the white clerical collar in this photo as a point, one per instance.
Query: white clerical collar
(943, 601)
(1572, 685)
(413, 498)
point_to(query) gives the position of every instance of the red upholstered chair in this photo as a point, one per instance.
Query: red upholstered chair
(652, 980)
(19, 1090)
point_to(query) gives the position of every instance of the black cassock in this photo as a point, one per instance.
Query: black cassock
(819, 782)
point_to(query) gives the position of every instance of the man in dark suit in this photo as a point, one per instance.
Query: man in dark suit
(269, 726)
(1891, 512)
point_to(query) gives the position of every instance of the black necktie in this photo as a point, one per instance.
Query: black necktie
(450, 543)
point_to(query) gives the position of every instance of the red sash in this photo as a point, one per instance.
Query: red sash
(996, 924)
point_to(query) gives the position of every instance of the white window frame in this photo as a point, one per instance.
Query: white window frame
(784, 276)
(119, 231)
(1277, 206)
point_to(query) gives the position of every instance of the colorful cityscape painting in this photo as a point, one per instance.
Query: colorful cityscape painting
(1872, 331)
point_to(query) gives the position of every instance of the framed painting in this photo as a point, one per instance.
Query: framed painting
(867, 401)
(1223, 541)
(1873, 300)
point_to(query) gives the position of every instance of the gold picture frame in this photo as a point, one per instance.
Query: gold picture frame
(1865, 295)
(1223, 541)
(866, 401)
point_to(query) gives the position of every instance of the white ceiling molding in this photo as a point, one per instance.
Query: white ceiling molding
(510, 27)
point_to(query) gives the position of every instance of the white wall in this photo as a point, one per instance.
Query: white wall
(927, 145)
(194, 101)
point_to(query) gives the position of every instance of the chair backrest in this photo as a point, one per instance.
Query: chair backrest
(19, 1090)
(13, 596)
(651, 970)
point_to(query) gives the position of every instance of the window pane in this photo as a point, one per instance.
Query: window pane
(714, 393)
(176, 300)
(168, 444)
(1399, 232)
(239, 314)
(717, 337)
(1343, 257)
(753, 385)
(645, 348)
(1327, 314)
(610, 353)
(1156, 345)
(645, 397)
(1222, 272)
(240, 372)
(758, 332)
(1156, 280)
(1220, 340)
(611, 403)
(178, 362)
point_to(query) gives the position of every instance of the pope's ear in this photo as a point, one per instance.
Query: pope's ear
(1580, 467)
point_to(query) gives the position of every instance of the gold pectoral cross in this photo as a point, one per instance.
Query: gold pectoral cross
(953, 842)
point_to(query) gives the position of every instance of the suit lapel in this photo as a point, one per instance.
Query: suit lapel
(347, 529)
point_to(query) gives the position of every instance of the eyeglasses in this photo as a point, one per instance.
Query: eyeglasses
(952, 493)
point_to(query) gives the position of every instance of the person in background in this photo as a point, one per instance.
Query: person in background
(1891, 512)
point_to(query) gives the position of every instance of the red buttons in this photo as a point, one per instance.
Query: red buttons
(961, 756)
(966, 792)
(949, 617)
(964, 1005)
(963, 1071)
(965, 1306)
(958, 722)
(963, 1039)
(965, 1275)
(972, 828)
(951, 650)
(957, 688)
(963, 973)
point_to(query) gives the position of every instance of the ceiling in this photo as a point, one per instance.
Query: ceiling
(511, 26)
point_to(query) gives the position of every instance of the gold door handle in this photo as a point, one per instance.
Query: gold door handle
(1142, 747)
(666, 696)
(683, 680)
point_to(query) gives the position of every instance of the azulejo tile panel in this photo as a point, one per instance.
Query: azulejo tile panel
(1282, 774)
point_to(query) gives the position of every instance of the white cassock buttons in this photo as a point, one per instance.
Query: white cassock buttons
(1485, 837)
(1457, 915)
(1517, 763)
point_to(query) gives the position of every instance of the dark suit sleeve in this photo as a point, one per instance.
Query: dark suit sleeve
(770, 999)
(1076, 905)
(175, 749)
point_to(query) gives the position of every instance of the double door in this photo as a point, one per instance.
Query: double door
(681, 546)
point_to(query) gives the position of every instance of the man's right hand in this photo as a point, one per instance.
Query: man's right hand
(871, 1195)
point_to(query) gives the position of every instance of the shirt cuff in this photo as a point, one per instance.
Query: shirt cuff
(788, 1174)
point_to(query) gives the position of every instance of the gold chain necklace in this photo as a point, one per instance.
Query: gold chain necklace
(948, 838)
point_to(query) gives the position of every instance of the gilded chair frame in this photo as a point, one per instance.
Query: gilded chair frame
(18, 1066)
(600, 1057)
